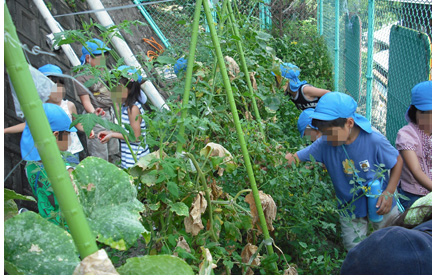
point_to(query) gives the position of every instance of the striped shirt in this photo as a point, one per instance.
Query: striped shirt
(140, 148)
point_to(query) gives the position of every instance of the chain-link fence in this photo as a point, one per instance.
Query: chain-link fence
(399, 50)
(378, 70)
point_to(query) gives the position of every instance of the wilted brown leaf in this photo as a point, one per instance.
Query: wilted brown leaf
(207, 265)
(253, 81)
(291, 270)
(217, 150)
(193, 222)
(181, 243)
(247, 253)
(97, 263)
(268, 206)
(233, 68)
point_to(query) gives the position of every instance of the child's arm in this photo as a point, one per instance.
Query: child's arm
(411, 160)
(312, 92)
(73, 110)
(134, 121)
(15, 129)
(385, 204)
(85, 100)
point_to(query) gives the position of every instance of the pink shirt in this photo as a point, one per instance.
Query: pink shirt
(410, 137)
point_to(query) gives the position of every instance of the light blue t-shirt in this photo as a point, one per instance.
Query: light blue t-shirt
(367, 151)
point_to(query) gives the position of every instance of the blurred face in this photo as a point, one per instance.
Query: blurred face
(57, 93)
(424, 121)
(312, 134)
(337, 136)
(63, 139)
(119, 94)
(96, 60)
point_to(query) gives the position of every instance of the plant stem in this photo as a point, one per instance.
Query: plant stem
(207, 193)
(18, 70)
(238, 127)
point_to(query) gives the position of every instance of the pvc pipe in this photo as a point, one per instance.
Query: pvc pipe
(369, 77)
(189, 68)
(123, 49)
(56, 28)
(31, 105)
(336, 58)
(238, 127)
(153, 25)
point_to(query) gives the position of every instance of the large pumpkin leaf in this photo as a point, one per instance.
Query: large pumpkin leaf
(155, 265)
(33, 245)
(109, 200)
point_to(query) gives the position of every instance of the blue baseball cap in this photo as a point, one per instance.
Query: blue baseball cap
(58, 120)
(304, 120)
(334, 105)
(291, 72)
(392, 251)
(131, 72)
(93, 47)
(180, 65)
(421, 96)
(49, 69)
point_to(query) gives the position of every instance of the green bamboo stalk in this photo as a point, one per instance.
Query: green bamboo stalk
(188, 83)
(237, 124)
(31, 105)
(232, 21)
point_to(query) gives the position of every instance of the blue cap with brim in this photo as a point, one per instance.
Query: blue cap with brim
(93, 47)
(50, 69)
(421, 96)
(58, 120)
(334, 105)
(304, 120)
(180, 65)
(291, 72)
(131, 72)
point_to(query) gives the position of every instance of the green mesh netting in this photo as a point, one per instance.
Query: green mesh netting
(404, 73)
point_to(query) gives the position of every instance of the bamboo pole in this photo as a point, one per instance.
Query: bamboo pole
(31, 105)
(189, 69)
(239, 130)
(245, 69)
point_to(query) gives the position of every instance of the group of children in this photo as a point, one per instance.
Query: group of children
(101, 142)
(349, 147)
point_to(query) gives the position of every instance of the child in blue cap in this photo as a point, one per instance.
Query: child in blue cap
(349, 146)
(131, 114)
(305, 127)
(94, 53)
(35, 171)
(414, 142)
(301, 93)
(53, 72)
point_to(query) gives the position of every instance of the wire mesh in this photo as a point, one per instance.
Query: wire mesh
(412, 14)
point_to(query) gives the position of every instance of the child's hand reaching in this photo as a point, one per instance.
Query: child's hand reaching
(104, 136)
(92, 134)
(99, 112)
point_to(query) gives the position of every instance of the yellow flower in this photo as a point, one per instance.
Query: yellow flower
(294, 43)
(290, 194)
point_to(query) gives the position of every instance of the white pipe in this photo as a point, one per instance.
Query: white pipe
(123, 49)
(55, 28)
